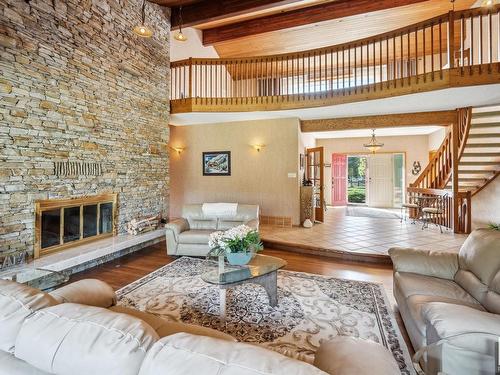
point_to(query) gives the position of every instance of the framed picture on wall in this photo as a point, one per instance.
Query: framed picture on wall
(217, 163)
(301, 161)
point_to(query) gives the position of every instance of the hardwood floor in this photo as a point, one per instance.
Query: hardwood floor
(129, 268)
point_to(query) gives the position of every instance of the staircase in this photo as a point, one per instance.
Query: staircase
(469, 159)
(479, 163)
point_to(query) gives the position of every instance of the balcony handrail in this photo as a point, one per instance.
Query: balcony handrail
(428, 55)
(456, 15)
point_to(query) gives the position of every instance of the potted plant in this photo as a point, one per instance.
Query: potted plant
(237, 244)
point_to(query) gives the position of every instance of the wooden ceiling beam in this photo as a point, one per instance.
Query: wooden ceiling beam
(298, 17)
(441, 118)
(210, 10)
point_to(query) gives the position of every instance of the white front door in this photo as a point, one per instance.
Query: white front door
(380, 185)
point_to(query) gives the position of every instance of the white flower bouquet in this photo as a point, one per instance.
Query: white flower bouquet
(240, 239)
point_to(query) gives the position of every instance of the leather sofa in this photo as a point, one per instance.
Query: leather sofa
(78, 330)
(450, 304)
(189, 234)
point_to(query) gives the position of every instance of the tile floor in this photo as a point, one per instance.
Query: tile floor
(364, 235)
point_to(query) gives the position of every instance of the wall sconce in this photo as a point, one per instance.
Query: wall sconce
(178, 149)
(258, 147)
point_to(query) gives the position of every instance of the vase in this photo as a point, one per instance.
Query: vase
(307, 223)
(239, 259)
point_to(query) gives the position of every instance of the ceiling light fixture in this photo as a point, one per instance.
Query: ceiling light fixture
(179, 35)
(373, 145)
(142, 30)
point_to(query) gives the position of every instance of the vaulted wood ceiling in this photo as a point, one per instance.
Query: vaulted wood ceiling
(266, 27)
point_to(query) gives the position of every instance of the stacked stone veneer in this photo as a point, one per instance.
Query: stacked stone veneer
(77, 85)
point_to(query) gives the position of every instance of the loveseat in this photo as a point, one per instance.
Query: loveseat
(450, 304)
(78, 330)
(189, 234)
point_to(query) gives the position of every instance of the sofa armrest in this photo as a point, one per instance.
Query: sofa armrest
(424, 262)
(461, 326)
(90, 292)
(177, 226)
(254, 223)
(341, 356)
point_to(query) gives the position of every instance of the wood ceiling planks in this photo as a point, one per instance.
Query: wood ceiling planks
(299, 17)
(336, 31)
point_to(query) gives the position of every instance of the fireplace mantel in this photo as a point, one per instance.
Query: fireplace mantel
(62, 223)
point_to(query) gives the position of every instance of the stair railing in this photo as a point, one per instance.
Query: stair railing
(442, 168)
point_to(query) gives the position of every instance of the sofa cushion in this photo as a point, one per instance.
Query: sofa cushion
(479, 274)
(480, 254)
(196, 236)
(18, 302)
(417, 302)
(341, 356)
(185, 354)
(228, 224)
(80, 340)
(411, 284)
(165, 327)
(10, 365)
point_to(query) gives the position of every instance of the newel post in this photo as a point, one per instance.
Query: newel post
(451, 39)
(454, 175)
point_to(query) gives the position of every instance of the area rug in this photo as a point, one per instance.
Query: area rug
(379, 213)
(311, 308)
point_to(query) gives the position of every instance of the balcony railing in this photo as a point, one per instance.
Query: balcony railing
(454, 49)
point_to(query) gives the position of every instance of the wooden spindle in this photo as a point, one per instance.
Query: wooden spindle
(480, 43)
(387, 60)
(490, 42)
(416, 54)
(471, 58)
(462, 39)
(424, 55)
(432, 51)
(440, 50)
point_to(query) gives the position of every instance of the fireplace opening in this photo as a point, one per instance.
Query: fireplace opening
(61, 223)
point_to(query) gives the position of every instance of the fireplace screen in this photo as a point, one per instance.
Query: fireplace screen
(61, 223)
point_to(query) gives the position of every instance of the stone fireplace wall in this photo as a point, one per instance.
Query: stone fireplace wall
(77, 86)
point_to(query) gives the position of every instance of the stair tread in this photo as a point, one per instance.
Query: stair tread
(484, 135)
(478, 163)
(477, 171)
(482, 145)
(485, 114)
(485, 124)
(480, 154)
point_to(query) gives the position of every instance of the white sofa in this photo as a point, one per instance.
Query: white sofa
(58, 333)
(450, 304)
(189, 234)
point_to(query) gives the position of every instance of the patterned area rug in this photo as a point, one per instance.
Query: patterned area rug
(311, 308)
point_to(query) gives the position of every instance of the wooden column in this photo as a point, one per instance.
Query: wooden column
(454, 174)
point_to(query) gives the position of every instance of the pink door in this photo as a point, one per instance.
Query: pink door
(339, 182)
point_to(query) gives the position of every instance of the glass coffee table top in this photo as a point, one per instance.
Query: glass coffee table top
(259, 265)
(38, 278)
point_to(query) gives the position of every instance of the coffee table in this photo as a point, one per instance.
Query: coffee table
(261, 270)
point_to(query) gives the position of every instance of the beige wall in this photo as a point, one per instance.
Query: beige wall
(415, 148)
(486, 205)
(256, 177)
(436, 138)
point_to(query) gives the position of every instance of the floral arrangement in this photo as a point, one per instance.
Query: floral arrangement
(240, 239)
